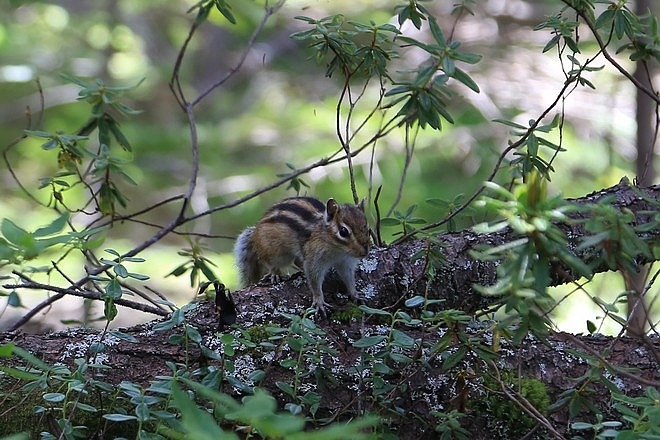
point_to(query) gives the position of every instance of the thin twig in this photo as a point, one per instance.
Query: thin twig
(270, 10)
(410, 149)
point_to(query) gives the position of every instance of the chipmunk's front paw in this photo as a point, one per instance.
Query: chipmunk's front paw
(321, 307)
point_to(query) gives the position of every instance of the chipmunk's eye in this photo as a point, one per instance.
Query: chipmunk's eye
(344, 232)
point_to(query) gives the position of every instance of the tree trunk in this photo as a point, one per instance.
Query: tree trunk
(647, 124)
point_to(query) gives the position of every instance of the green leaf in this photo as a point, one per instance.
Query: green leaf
(123, 336)
(14, 300)
(113, 289)
(13, 233)
(120, 270)
(401, 339)
(75, 80)
(176, 319)
(389, 221)
(36, 133)
(119, 136)
(369, 341)
(467, 57)
(142, 411)
(605, 18)
(86, 407)
(54, 397)
(20, 374)
(580, 426)
(193, 334)
(552, 43)
(454, 358)
(437, 33)
(400, 358)
(510, 124)
(415, 301)
(109, 309)
(225, 10)
(31, 359)
(371, 311)
(465, 79)
(288, 389)
(7, 350)
(118, 417)
(591, 327)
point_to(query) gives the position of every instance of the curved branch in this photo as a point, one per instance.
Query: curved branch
(269, 11)
(608, 57)
(61, 292)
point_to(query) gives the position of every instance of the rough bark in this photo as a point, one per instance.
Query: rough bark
(390, 277)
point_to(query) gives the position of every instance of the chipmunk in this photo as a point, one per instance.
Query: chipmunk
(311, 235)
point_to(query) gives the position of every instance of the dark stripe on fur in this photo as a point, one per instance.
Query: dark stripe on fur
(307, 208)
(316, 203)
(297, 227)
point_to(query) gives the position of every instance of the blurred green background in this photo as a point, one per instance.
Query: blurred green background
(280, 109)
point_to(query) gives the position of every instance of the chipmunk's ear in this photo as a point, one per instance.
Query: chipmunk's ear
(361, 205)
(331, 209)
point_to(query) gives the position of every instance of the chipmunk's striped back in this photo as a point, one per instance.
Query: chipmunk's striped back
(306, 233)
(299, 214)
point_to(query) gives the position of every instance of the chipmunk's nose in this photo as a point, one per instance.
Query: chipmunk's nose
(363, 251)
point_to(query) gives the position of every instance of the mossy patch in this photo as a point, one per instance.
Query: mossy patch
(509, 414)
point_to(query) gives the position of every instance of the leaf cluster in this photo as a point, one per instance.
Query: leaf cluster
(535, 246)
(104, 166)
(359, 50)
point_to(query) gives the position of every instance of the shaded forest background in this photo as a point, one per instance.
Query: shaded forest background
(241, 103)
(279, 112)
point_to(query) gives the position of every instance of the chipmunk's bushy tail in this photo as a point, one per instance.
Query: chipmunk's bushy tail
(246, 258)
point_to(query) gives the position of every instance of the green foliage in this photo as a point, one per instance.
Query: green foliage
(645, 40)
(394, 353)
(641, 413)
(204, 7)
(449, 207)
(639, 33)
(536, 244)
(310, 350)
(424, 98)
(640, 418)
(186, 402)
(257, 415)
(405, 220)
(449, 426)
(615, 236)
(562, 30)
(340, 39)
(104, 165)
(198, 264)
(113, 288)
(579, 397)
(361, 50)
(528, 159)
(296, 182)
(602, 429)
(18, 245)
